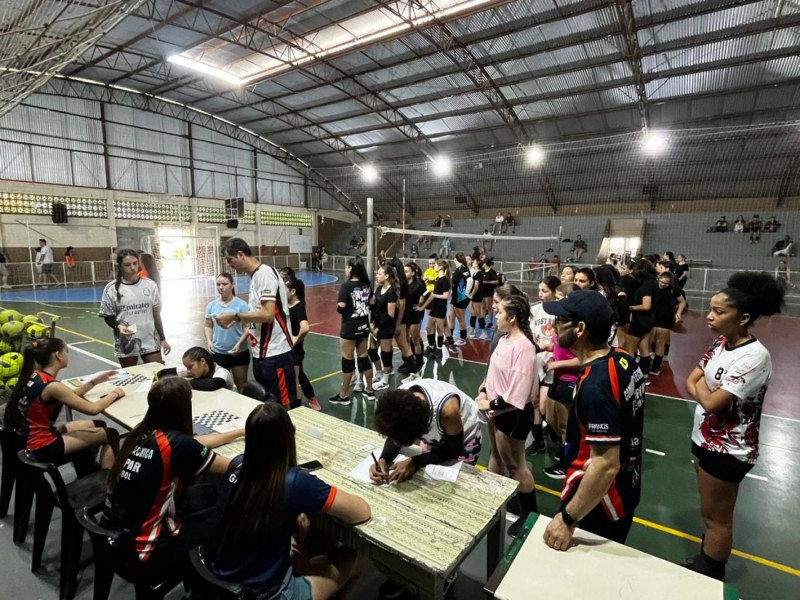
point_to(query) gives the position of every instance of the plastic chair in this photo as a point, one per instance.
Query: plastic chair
(85, 491)
(14, 480)
(114, 553)
(215, 588)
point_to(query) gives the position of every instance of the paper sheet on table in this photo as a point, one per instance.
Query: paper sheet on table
(117, 374)
(443, 473)
(145, 386)
(361, 471)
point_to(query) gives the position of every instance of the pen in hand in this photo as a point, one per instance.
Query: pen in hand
(378, 466)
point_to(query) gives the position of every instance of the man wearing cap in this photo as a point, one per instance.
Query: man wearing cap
(604, 431)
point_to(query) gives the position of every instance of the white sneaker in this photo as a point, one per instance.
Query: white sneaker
(471, 332)
(377, 377)
(380, 385)
(460, 342)
(485, 335)
(474, 335)
(359, 387)
(412, 377)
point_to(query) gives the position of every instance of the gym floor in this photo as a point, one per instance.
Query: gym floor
(668, 522)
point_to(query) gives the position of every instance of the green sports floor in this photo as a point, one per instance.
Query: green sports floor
(766, 561)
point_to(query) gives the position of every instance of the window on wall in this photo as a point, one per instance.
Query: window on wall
(38, 204)
(290, 219)
(152, 211)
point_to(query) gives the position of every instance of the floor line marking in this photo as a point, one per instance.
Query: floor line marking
(325, 376)
(93, 355)
(656, 452)
(693, 402)
(759, 477)
(83, 335)
(693, 538)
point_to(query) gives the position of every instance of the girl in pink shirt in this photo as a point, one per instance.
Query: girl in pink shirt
(512, 384)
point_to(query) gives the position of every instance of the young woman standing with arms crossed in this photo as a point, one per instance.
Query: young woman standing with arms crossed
(230, 347)
(413, 319)
(440, 294)
(131, 306)
(729, 385)
(383, 325)
(460, 301)
(353, 305)
(511, 385)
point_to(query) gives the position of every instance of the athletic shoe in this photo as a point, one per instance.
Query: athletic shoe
(535, 448)
(437, 353)
(406, 367)
(391, 589)
(412, 377)
(359, 386)
(555, 471)
(699, 564)
(380, 385)
(377, 377)
(485, 335)
(517, 526)
(337, 399)
(655, 372)
(428, 350)
(471, 333)
(314, 404)
(460, 342)
(370, 394)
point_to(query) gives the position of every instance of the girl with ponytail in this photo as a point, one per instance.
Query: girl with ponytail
(36, 402)
(512, 384)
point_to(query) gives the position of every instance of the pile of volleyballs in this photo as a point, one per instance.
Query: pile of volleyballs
(15, 330)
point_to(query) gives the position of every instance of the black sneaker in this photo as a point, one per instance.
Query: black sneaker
(555, 471)
(437, 353)
(370, 394)
(337, 399)
(535, 448)
(391, 589)
(517, 526)
(699, 564)
(655, 372)
(405, 368)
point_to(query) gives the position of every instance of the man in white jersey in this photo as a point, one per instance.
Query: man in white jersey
(44, 258)
(268, 322)
(440, 416)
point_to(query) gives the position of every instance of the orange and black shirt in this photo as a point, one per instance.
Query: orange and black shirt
(38, 416)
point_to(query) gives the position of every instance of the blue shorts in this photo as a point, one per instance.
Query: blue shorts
(276, 374)
(294, 587)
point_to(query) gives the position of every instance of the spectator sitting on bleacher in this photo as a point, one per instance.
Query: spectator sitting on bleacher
(511, 223)
(738, 224)
(784, 274)
(722, 224)
(755, 229)
(783, 247)
(413, 251)
(578, 248)
(353, 242)
(772, 224)
(437, 222)
(497, 227)
(448, 221)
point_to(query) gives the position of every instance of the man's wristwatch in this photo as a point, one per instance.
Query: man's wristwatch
(569, 521)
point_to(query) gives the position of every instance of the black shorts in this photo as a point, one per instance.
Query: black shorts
(640, 328)
(665, 323)
(439, 309)
(477, 298)
(721, 466)
(516, 423)
(386, 332)
(228, 361)
(561, 392)
(52, 453)
(412, 317)
(463, 304)
(354, 331)
(47, 268)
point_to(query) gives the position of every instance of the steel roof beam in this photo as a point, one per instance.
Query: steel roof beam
(633, 54)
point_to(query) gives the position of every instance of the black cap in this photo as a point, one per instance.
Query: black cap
(588, 306)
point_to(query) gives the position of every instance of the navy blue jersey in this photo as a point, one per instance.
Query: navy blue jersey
(265, 564)
(151, 487)
(608, 410)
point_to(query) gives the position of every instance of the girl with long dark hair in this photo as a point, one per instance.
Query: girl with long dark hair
(477, 316)
(641, 307)
(628, 286)
(670, 302)
(490, 282)
(585, 279)
(384, 322)
(729, 384)
(353, 305)
(296, 295)
(201, 370)
(38, 397)
(440, 294)
(400, 330)
(413, 318)
(506, 397)
(149, 489)
(459, 301)
(231, 347)
(131, 306)
(265, 501)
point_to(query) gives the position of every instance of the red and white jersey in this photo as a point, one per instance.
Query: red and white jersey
(743, 371)
(269, 339)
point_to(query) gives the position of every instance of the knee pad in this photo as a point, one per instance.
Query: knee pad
(364, 364)
(386, 358)
(374, 356)
(348, 365)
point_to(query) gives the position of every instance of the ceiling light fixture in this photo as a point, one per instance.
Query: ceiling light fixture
(369, 173)
(654, 143)
(535, 155)
(204, 68)
(441, 166)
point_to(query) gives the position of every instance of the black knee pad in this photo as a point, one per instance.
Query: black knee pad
(348, 365)
(386, 358)
(374, 356)
(364, 364)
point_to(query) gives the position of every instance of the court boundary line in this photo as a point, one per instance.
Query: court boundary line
(93, 355)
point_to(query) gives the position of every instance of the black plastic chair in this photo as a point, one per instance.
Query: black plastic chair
(215, 588)
(114, 553)
(13, 480)
(51, 492)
